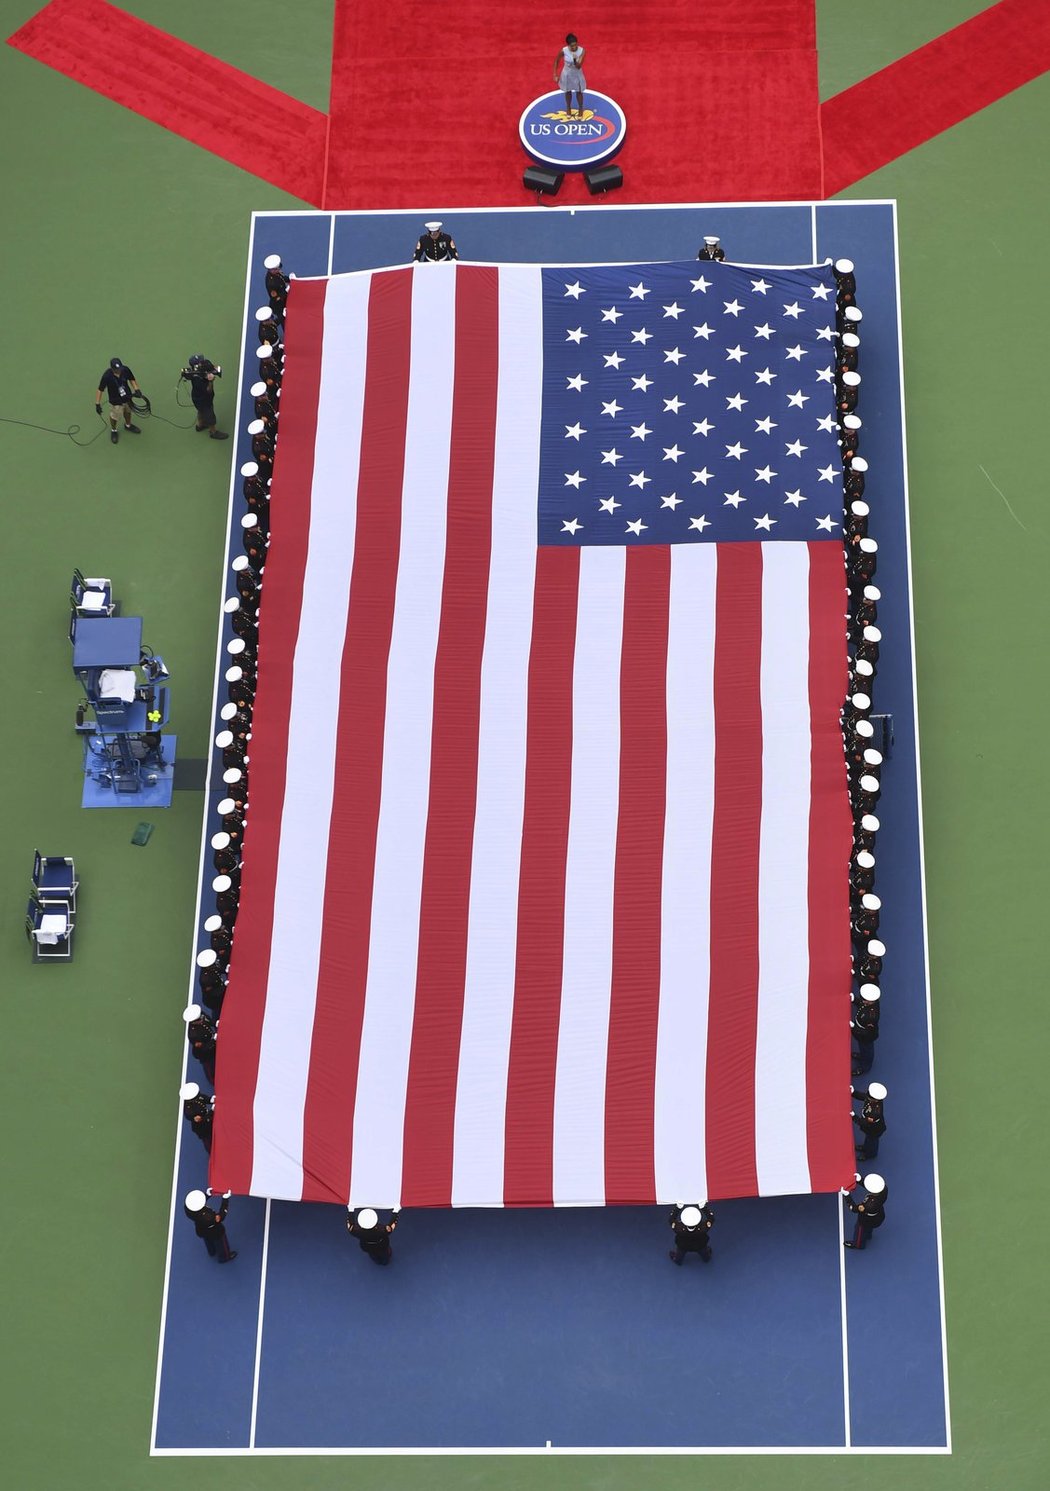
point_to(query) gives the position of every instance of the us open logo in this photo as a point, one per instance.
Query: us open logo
(573, 143)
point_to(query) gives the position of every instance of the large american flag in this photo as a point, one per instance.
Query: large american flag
(545, 886)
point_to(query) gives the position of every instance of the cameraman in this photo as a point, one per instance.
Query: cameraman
(201, 374)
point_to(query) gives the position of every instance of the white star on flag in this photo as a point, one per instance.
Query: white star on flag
(672, 501)
(636, 526)
(701, 284)
(733, 499)
(639, 291)
(613, 360)
(674, 311)
(612, 408)
(797, 399)
(672, 406)
(578, 382)
(701, 476)
(824, 375)
(765, 425)
(828, 473)
(575, 290)
(702, 427)
(641, 480)
(674, 355)
(576, 335)
(764, 473)
(642, 336)
(794, 310)
(736, 402)
(735, 354)
(827, 423)
(760, 286)
(736, 451)
(732, 308)
(644, 383)
(765, 376)
(573, 432)
(796, 354)
(705, 378)
(765, 522)
(672, 452)
(793, 499)
(702, 331)
(609, 504)
(639, 432)
(825, 333)
(574, 479)
(571, 526)
(796, 448)
(612, 314)
(827, 523)
(699, 523)
(610, 457)
(821, 292)
(765, 331)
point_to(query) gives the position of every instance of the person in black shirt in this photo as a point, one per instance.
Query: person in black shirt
(208, 1223)
(434, 245)
(201, 1034)
(372, 1237)
(870, 1119)
(691, 1226)
(712, 249)
(118, 383)
(201, 374)
(870, 1210)
(198, 1111)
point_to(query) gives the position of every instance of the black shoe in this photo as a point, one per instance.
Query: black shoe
(674, 1259)
(200, 429)
(706, 1255)
(849, 1245)
(114, 436)
(219, 435)
(229, 1257)
(133, 429)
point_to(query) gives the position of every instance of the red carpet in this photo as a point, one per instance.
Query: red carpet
(923, 94)
(233, 115)
(731, 113)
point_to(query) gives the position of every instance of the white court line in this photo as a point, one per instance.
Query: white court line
(331, 243)
(583, 207)
(846, 1410)
(205, 839)
(566, 1450)
(922, 845)
(813, 229)
(259, 1326)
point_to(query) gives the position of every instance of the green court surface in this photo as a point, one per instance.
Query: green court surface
(120, 238)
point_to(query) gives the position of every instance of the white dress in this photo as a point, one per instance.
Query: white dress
(572, 79)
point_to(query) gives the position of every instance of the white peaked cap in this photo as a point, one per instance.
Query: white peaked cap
(232, 605)
(854, 313)
(876, 949)
(865, 860)
(869, 783)
(872, 593)
(850, 339)
(227, 805)
(860, 701)
(871, 903)
(858, 509)
(877, 1091)
(257, 426)
(234, 674)
(272, 261)
(221, 883)
(196, 1201)
(220, 841)
(190, 1013)
(844, 266)
(851, 380)
(872, 758)
(366, 1217)
(431, 228)
(257, 391)
(863, 668)
(864, 728)
(228, 711)
(206, 958)
(690, 1216)
(858, 463)
(852, 421)
(710, 240)
(233, 776)
(213, 923)
(239, 564)
(872, 634)
(224, 739)
(249, 521)
(869, 823)
(870, 993)
(874, 1183)
(188, 1090)
(251, 468)
(264, 350)
(869, 546)
(264, 313)
(236, 646)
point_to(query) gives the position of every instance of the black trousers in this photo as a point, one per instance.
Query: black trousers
(205, 407)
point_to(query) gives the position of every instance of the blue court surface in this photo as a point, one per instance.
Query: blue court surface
(560, 1330)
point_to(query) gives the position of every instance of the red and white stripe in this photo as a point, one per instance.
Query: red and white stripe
(545, 897)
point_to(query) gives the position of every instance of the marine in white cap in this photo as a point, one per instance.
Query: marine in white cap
(197, 1110)
(372, 1235)
(208, 1223)
(869, 1211)
(691, 1224)
(870, 1121)
(711, 249)
(864, 1026)
(435, 245)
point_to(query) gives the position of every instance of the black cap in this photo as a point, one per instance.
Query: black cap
(116, 364)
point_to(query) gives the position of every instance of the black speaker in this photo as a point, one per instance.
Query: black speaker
(539, 179)
(603, 179)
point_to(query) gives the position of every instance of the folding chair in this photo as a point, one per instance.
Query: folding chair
(92, 596)
(49, 930)
(55, 880)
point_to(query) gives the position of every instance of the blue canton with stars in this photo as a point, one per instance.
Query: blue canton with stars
(688, 403)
